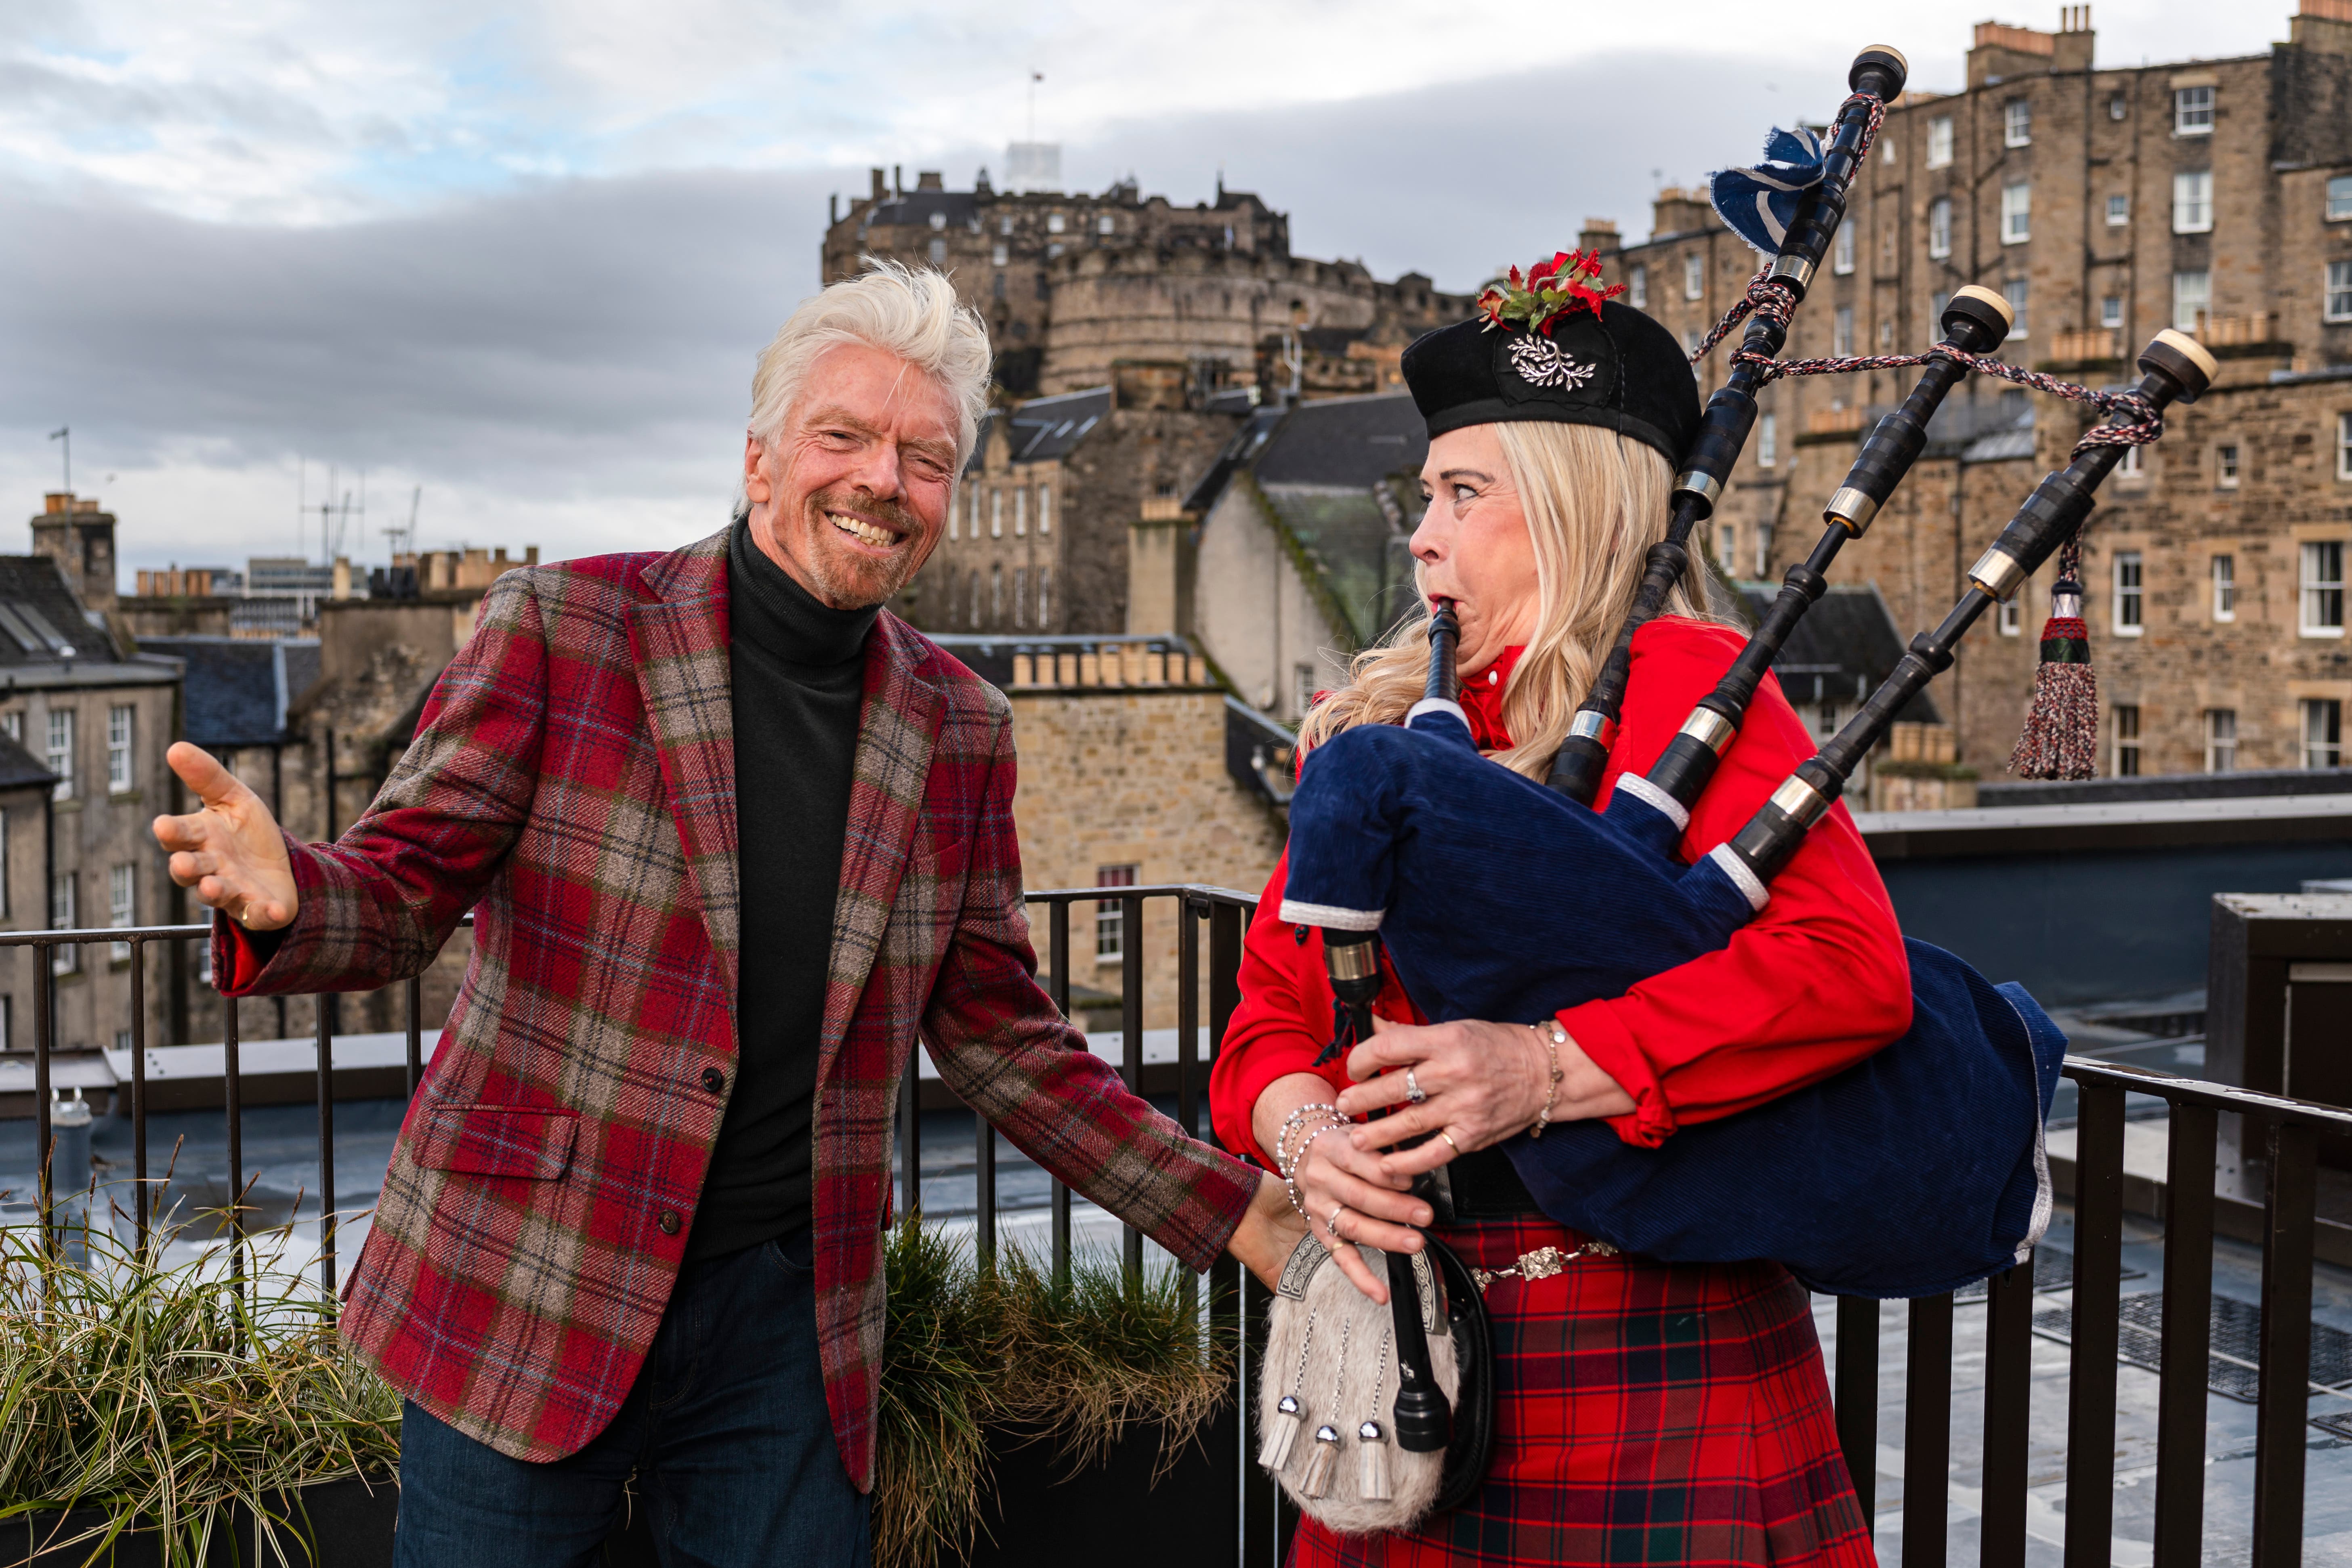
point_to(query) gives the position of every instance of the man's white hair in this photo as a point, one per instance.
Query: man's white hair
(908, 311)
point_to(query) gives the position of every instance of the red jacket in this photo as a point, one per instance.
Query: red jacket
(572, 782)
(1814, 984)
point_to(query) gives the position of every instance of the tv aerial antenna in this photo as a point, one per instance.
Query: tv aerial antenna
(401, 537)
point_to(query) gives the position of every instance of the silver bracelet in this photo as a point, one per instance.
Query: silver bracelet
(1290, 1177)
(1292, 1123)
(1553, 1037)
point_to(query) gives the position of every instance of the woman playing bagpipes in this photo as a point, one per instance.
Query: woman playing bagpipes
(1644, 1412)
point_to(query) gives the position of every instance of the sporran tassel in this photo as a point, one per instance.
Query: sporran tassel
(2061, 738)
(1282, 1436)
(1317, 1481)
(1372, 1464)
(1289, 1414)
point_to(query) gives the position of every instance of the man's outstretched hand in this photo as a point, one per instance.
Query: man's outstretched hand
(230, 851)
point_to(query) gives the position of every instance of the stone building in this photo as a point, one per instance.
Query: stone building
(236, 698)
(96, 718)
(1136, 768)
(1286, 325)
(1289, 553)
(1037, 540)
(2105, 203)
(1072, 284)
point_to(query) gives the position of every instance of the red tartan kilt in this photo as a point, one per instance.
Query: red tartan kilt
(1645, 1412)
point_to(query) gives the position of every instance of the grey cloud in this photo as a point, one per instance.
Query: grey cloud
(583, 314)
(593, 338)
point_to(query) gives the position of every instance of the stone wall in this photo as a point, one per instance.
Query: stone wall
(1095, 492)
(1188, 304)
(1133, 777)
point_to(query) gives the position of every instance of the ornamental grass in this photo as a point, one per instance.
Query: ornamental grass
(174, 1399)
(1074, 1363)
(170, 1398)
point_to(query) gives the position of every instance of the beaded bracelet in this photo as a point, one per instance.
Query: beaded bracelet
(1290, 1177)
(1293, 1122)
(1553, 1039)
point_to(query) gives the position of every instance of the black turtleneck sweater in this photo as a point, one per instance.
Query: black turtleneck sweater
(798, 668)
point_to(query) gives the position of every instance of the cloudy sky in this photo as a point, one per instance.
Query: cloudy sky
(519, 254)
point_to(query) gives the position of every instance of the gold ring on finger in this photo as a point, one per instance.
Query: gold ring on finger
(1450, 1143)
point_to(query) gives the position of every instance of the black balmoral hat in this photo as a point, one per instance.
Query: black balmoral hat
(1610, 367)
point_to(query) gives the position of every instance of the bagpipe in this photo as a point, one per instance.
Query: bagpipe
(1494, 897)
(1914, 1171)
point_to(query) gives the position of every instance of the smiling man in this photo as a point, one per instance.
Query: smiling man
(732, 836)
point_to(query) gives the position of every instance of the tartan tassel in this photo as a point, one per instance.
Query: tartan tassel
(2061, 738)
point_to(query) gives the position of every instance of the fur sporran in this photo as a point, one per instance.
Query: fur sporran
(1329, 1380)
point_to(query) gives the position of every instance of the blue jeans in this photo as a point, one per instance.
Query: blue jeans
(726, 1433)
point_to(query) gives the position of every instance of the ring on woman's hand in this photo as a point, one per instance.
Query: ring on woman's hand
(1414, 1092)
(1450, 1143)
(1333, 1225)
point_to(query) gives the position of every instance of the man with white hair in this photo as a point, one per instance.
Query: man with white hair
(732, 836)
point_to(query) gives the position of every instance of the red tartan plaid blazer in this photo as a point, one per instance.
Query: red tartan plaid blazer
(572, 783)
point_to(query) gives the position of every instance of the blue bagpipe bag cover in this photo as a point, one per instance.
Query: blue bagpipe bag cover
(1914, 1171)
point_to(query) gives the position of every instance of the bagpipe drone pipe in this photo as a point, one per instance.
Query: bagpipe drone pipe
(1914, 1171)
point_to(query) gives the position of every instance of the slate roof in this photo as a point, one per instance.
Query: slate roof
(1847, 643)
(237, 688)
(917, 207)
(41, 619)
(18, 767)
(1356, 441)
(1335, 475)
(1045, 427)
(1042, 428)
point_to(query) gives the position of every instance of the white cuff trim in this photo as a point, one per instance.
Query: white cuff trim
(1332, 916)
(1436, 705)
(1656, 799)
(1737, 869)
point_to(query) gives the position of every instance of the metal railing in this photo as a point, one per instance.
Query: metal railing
(1211, 923)
(1223, 913)
(2289, 1131)
(143, 1198)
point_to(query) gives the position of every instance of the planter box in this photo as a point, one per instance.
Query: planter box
(1043, 1513)
(340, 1524)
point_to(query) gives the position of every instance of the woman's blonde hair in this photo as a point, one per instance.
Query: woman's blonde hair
(1595, 501)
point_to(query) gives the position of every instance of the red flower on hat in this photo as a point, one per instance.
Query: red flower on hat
(1549, 291)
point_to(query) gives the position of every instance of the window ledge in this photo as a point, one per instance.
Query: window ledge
(2320, 631)
(2128, 631)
